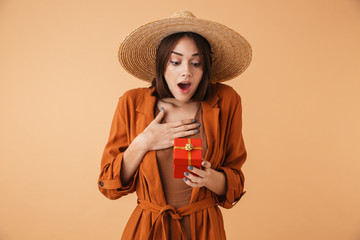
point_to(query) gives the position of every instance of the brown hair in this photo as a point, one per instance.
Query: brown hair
(162, 57)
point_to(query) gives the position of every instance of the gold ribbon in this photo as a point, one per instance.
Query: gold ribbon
(188, 147)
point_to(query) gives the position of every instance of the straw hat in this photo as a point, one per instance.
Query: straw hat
(232, 53)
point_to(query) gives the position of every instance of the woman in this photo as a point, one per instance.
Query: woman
(183, 57)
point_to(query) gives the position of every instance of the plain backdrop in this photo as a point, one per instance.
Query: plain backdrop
(60, 81)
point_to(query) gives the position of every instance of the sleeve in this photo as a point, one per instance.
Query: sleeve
(235, 157)
(109, 182)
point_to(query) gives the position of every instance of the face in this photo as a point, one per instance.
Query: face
(184, 70)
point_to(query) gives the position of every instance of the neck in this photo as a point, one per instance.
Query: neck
(179, 104)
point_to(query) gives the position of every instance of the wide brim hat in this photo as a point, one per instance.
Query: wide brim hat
(231, 52)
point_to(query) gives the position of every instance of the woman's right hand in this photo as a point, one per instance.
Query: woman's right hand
(159, 135)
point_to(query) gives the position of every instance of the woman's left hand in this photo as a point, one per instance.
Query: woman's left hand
(203, 175)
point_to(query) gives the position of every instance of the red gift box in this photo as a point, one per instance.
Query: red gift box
(187, 152)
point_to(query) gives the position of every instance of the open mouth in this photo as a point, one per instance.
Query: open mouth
(184, 86)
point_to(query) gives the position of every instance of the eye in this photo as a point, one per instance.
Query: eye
(196, 64)
(175, 63)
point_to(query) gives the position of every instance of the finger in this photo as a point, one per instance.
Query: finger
(201, 173)
(160, 116)
(201, 178)
(206, 164)
(186, 133)
(192, 184)
(187, 127)
(182, 122)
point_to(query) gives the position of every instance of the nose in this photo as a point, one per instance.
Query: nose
(186, 70)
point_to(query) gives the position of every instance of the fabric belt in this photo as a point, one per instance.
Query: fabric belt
(161, 223)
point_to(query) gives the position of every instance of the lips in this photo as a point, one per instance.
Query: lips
(184, 86)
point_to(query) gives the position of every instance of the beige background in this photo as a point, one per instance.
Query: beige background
(60, 81)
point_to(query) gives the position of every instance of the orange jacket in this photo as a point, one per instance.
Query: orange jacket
(226, 152)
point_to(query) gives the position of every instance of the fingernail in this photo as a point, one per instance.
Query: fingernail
(193, 120)
(190, 167)
(198, 124)
(185, 179)
(161, 108)
(186, 173)
(196, 131)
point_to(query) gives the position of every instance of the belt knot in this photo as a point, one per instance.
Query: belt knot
(170, 210)
(158, 228)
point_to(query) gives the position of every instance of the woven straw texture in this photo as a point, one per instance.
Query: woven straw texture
(232, 53)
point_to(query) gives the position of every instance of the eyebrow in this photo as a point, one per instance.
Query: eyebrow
(195, 54)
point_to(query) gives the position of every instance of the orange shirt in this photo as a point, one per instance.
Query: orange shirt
(222, 120)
